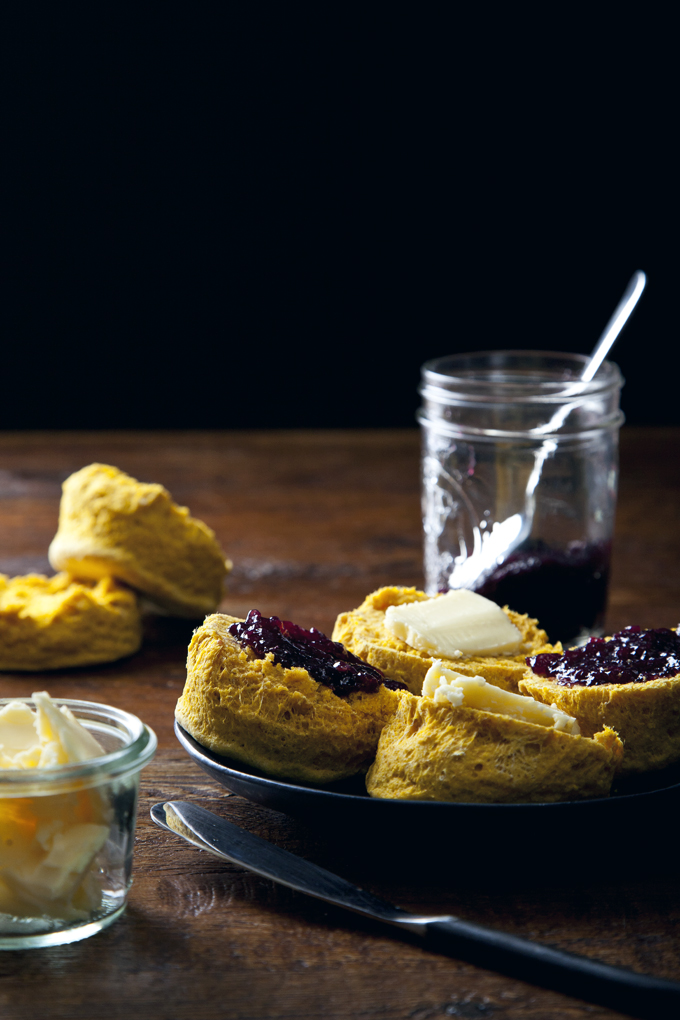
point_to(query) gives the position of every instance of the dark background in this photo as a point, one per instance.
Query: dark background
(258, 217)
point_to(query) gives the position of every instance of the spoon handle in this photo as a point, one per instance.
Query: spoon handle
(620, 316)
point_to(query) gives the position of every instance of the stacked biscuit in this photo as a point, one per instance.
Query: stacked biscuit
(117, 539)
(457, 730)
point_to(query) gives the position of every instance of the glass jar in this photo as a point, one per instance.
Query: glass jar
(66, 834)
(520, 471)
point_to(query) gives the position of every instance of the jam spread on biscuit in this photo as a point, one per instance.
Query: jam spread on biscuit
(328, 662)
(633, 655)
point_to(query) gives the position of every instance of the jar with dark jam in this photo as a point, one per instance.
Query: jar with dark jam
(520, 469)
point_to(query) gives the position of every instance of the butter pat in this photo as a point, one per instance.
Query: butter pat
(59, 727)
(458, 623)
(51, 736)
(443, 685)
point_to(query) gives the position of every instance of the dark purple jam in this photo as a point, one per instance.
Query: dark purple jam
(631, 656)
(565, 589)
(328, 662)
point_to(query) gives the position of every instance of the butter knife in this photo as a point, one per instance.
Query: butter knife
(637, 995)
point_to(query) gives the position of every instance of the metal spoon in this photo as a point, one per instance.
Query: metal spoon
(622, 313)
(504, 537)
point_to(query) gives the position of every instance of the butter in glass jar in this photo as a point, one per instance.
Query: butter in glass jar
(69, 777)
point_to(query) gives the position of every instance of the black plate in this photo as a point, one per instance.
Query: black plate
(639, 816)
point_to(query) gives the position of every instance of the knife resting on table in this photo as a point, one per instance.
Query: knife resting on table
(637, 995)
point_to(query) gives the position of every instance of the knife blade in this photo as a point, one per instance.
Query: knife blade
(637, 995)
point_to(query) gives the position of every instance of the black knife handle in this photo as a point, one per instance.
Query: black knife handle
(637, 995)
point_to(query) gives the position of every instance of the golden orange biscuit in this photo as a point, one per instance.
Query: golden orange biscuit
(435, 751)
(276, 719)
(54, 622)
(363, 631)
(646, 715)
(111, 524)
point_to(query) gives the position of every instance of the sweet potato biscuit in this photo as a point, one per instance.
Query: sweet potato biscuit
(435, 751)
(111, 524)
(276, 719)
(646, 715)
(50, 623)
(363, 631)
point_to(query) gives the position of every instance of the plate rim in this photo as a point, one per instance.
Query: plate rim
(198, 751)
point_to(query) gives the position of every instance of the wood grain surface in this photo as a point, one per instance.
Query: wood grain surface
(313, 521)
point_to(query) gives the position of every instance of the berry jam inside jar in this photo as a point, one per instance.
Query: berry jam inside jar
(520, 470)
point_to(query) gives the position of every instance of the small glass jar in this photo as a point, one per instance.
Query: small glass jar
(520, 471)
(66, 834)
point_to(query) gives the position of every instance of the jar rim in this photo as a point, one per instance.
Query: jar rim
(516, 374)
(136, 752)
(455, 430)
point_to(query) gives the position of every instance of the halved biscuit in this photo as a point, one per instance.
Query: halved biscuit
(363, 631)
(435, 751)
(646, 715)
(276, 719)
(54, 622)
(111, 524)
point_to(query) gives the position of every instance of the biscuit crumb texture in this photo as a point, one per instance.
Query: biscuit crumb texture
(55, 622)
(111, 524)
(431, 751)
(646, 715)
(278, 720)
(363, 631)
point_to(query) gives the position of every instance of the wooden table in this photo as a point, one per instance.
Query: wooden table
(314, 521)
